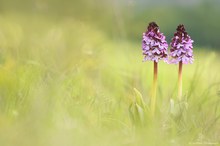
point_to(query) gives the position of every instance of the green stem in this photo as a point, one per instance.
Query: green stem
(180, 81)
(154, 91)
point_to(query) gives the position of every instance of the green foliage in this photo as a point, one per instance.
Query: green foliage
(139, 111)
(68, 83)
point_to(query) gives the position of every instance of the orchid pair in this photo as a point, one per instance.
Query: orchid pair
(155, 48)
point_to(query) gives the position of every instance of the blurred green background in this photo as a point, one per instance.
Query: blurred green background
(68, 70)
(127, 19)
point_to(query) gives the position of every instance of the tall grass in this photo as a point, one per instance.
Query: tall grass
(64, 82)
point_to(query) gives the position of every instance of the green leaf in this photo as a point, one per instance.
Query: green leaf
(141, 113)
(139, 98)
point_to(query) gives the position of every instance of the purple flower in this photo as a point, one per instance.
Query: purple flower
(181, 47)
(154, 45)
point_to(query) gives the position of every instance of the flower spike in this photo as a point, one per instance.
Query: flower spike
(181, 52)
(154, 45)
(181, 47)
(154, 48)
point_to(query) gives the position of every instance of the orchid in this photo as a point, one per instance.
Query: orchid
(154, 45)
(154, 48)
(181, 47)
(181, 52)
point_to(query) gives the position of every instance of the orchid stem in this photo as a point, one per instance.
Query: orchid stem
(154, 91)
(180, 81)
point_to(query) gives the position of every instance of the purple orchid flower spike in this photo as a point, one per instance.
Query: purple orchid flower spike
(181, 52)
(181, 47)
(154, 45)
(154, 48)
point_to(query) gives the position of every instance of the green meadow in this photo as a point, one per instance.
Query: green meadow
(66, 82)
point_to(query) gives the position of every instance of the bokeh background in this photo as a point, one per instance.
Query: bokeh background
(127, 19)
(68, 69)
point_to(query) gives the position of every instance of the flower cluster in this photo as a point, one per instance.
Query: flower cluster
(154, 45)
(181, 47)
